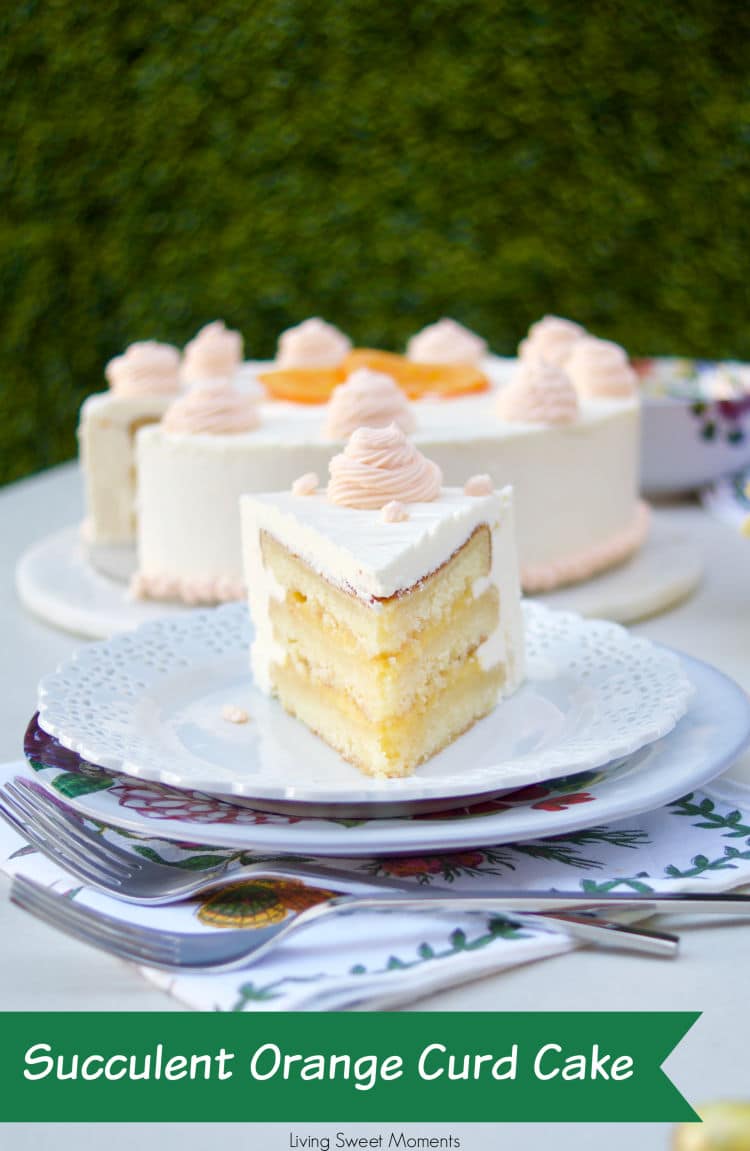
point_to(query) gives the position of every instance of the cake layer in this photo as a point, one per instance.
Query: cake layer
(381, 626)
(398, 747)
(387, 684)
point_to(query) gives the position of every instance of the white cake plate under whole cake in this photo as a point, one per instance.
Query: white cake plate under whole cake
(57, 582)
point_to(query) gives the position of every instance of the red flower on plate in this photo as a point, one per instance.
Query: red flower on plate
(465, 859)
(486, 807)
(528, 794)
(563, 802)
(418, 865)
(189, 807)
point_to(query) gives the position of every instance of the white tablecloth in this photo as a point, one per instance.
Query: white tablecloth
(44, 971)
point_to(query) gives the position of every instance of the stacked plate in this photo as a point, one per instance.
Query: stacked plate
(131, 732)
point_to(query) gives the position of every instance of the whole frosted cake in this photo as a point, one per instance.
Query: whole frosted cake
(386, 608)
(560, 424)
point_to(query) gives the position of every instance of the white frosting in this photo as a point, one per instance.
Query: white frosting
(106, 447)
(373, 560)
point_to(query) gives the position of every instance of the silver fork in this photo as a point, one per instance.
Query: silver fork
(237, 948)
(132, 878)
(67, 840)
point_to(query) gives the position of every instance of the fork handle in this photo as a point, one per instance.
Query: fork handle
(671, 903)
(710, 903)
(585, 928)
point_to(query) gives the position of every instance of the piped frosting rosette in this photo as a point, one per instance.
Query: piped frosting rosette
(552, 339)
(600, 369)
(446, 342)
(214, 353)
(367, 400)
(539, 393)
(146, 368)
(380, 466)
(220, 410)
(312, 344)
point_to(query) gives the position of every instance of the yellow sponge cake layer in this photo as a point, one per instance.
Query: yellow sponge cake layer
(379, 625)
(396, 747)
(412, 661)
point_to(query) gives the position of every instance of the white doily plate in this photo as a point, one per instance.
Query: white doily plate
(149, 703)
(706, 741)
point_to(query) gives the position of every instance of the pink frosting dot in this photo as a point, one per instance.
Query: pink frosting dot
(478, 486)
(234, 714)
(394, 512)
(305, 485)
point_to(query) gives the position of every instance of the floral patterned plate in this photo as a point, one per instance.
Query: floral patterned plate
(709, 738)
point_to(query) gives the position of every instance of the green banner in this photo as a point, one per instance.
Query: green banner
(471, 1066)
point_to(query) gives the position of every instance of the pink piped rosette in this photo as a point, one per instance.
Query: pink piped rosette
(539, 393)
(214, 353)
(380, 466)
(367, 400)
(146, 368)
(552, 339)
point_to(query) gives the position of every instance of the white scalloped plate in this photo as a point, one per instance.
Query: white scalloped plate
(149, 704)
(704, 743)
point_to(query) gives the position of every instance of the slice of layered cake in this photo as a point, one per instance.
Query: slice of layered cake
(386, 608)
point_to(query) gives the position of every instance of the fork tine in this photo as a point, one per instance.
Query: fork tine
(54, 900)
(145, 944)
(72, 827)
(49, 805)
(82, 848)
(67, 855)
(45, 846)
(100, 918)
(86, 933)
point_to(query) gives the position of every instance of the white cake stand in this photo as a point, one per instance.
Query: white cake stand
(57, 582)
(666, 570)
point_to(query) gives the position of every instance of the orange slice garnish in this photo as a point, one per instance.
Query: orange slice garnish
(314, 385)
(303, 385)
(419, 380)
(388, 362)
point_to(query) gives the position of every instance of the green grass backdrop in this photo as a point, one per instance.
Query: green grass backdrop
(380, 164)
